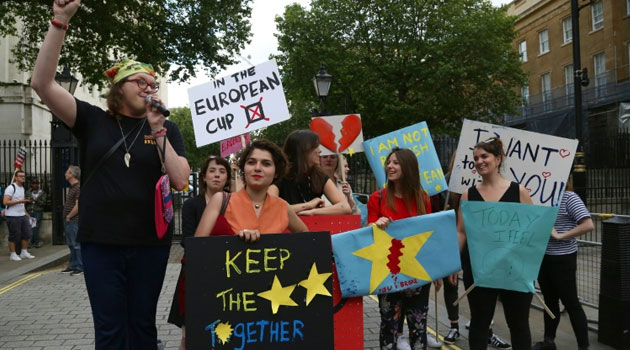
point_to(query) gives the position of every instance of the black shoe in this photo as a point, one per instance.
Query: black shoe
(67, 270)
(544, 345)
(76, 272)
(39, 244)
(498, 343)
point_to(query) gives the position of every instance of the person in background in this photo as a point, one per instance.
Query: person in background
(305, 182)
(17, 217)
(71, 221)
(557, 276)
(331, 166)
(36, 210)
(403, 197)
(124, 259)
(489, 156)
(216, 179)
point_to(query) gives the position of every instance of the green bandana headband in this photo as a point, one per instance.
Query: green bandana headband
(126, 68)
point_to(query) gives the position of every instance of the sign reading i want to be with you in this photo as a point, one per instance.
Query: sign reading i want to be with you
(273, 294)
(237, 104)
(539, 162)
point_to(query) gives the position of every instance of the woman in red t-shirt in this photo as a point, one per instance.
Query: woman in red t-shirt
(403, 198)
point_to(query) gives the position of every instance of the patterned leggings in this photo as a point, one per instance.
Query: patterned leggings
(415, 304)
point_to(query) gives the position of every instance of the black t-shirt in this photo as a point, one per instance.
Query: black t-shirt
(295, 192)
(116, 206)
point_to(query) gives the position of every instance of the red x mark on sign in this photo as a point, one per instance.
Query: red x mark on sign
(256, 112)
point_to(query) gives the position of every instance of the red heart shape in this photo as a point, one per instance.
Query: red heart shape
(474, 171)
(350, 130)
(546, 174)
(564, 153)
(325, 132)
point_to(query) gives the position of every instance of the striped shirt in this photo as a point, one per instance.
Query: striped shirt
(570, 212)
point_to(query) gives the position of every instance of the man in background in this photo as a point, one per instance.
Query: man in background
(17, 217)
(71, 218)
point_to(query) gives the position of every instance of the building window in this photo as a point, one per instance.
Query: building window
(597, 11)
(599, 72)
(545, 88)
(568, 82)
(543, 39)
(567, 30)
(627, 7)
(525, 94)
(522, 50)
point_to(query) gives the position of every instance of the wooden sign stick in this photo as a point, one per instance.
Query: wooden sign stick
(553, 317)
(456, 302)
(341, 167)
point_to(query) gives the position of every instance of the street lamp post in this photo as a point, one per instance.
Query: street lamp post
(580, 78)
(322, 81)
(64, 152)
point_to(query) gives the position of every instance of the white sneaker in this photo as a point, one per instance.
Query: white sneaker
(14, 257)
(26, 255)
(432, 342)
(402, 343)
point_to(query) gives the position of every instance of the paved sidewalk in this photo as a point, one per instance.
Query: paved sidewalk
(49, 310)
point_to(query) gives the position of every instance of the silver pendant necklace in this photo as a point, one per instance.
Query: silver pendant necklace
(127, 157)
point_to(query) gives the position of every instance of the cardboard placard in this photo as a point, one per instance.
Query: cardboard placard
(539, 162)
(339, 133)
(418, 139)
(273, 294)
(237, 104)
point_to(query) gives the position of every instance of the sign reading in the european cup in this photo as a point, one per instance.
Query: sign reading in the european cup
(237, 103)
(539, 162)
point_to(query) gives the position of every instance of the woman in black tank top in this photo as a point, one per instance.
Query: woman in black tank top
(488, 156)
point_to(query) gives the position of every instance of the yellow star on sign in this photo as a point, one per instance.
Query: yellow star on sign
(315, 284)
(278, 295)
(378, 253)
(351, 151)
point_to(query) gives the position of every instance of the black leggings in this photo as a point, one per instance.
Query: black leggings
(482, 303)
(557, 282)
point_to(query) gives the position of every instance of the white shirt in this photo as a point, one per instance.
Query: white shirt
(16, 193)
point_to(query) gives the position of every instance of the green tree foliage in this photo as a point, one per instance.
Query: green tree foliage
(181, 116)
(399, 62)
(182, 33)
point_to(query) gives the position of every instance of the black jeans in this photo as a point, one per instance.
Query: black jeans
(124, 284)
(558, 282)
(483, 302)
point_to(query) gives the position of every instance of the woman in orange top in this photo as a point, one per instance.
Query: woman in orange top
(251, 211)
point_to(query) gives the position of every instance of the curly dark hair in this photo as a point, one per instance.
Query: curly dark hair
(279, 159)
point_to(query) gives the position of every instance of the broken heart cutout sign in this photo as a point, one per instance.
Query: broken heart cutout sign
(350, 129)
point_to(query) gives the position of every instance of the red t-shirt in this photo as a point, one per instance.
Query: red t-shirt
(401, 212)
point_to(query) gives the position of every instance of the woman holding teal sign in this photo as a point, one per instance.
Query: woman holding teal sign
(402, 198)
(488, 156)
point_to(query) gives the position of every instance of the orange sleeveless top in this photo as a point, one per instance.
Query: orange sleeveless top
(240, 214)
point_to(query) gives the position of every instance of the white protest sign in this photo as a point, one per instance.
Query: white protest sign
(539, 162)
(237, 104)
(339, 133)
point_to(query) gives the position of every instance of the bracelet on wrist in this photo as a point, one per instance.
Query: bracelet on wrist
(58, 24)
(161, 132)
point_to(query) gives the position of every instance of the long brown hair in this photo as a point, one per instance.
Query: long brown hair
(297, 147)
(204, 169)
(409, 182)
(115, 97)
